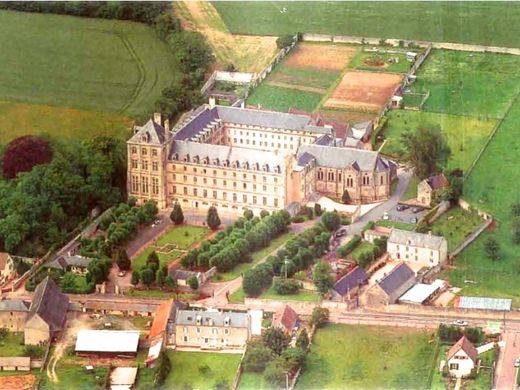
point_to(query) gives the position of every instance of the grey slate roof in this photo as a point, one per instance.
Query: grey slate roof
(396, 278)
(224, 152)
(189, 317)
(350, 281)
(196, 124)
(50, 304)
(279, 120)
(63, 262)
(420, 240)
(156, 133)
(336, 157)
(13, 305)
(182, 274)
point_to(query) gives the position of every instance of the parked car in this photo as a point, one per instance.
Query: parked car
(460, 323)
(417, 210)
(413, 220)
(517, 362)
(340, 233)
(386, 216)
(402, 207)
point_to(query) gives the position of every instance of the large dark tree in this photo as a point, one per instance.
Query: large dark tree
(177, 215)
(425, 150)
(321, 275)
(23, 153)
(212, 219)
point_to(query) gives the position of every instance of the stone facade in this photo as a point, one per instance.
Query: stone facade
(417, 248)
(236, 158)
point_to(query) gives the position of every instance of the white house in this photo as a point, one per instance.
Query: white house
(417, 248)
(462, 358)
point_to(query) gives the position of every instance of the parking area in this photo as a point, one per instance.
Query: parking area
(402, 213)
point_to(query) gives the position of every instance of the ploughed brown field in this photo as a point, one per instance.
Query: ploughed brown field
(320, 56)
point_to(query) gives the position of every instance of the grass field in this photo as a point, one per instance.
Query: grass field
(463, 83)
(455, 225)
(164, 258)
(465, 135)
(306, 77)
(281, 99)
(253, 381)
(12, 345)
(74, 377)
(62, 75)
(362, 62)
(493, 186)
(302, 295)
(183, 236)
(188, 370)
(434, 21)
(367, 357)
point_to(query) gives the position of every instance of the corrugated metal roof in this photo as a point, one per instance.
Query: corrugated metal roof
(420, 292)
(483, 303)
(107, 341)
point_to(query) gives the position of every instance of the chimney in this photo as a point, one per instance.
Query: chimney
(167, 125)
(212, 102)
(157, 117)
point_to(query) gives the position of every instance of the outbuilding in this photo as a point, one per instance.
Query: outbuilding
(107, 343)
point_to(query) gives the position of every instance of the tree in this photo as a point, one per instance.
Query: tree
(68, 282)
(286, 286)
(135, 278)
(516, 230)
(171, 282)
(177, 215)
(193, 282)
(320, 316)
(255, 280)
(248, 214)
(147, 277)
(122, 260)
(276, 339)
(331, 220)
(275, 372)
(192, 51)
(321, 276)
(303, 340)
(212, 219)
(152, 261)
(425, 150)
(159, 278)
(317, 209)
(515, 209)
(492, 248)
(264, 213)
(294, 358)
(284, 41)
(163, 366)
(257, 357)
(345, 198)
(23, 153)
(475, 335)
(165, 24)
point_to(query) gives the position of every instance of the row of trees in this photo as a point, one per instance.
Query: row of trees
(235, 244)
(40, 207)
(451, 334)
(298, 254)
(152, 272)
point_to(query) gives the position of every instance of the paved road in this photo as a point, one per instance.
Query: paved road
(377, 212)
(505, 376)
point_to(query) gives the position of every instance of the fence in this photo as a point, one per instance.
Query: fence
(239, 371)
(471, 237)
(468, 207)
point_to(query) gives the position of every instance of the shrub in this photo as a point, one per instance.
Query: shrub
(317, 210)
(23, 153)
(193, 282)
(177, 216)
(34, 351)
(284, 41)
(349, 246)
(320, 316)
(449, 333)
(303, 340)
(321, 275)
(257, 357)
(330, 220)
(275, 373)
(298, 219)
(163, 365)
(286, 286)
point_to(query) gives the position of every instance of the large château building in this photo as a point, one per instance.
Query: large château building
(236, 158)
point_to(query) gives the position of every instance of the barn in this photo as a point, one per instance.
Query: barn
(107, 343)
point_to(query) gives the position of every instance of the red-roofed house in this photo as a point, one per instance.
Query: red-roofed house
(462, 358)
(287, 319)
(163, 324)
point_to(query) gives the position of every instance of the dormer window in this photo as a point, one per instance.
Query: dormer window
(245, 165)
(265, 167)
(196, 159)
(145, 137)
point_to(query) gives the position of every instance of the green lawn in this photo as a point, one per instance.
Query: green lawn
(188, 370)
(74, 377)
(238, 296)
(281, 99)
(253, 381)
(493, 186)
(362, 62)
(305, 77)
(411, 190)
(161, 294)
(302, 295)
(257, 256)
(12, 345)
(463, 83)
(397, 225)
(456, 225)
(78, 77)
(438, 381)
(365, 246)
(183, 236)
(367, 357)
(489, 23)
(164, 258)
(465, 135)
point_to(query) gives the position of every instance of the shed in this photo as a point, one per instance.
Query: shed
(123, 378)
(15, 363)
(422, 292)
(483, 303)
(350, 283)
(107, 342)
(286, 318)
(256, 321)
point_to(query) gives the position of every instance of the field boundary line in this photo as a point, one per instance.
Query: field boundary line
(296, 87)
(492, 135)
(140, 66)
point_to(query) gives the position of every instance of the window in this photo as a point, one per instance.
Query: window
(276, 202)
(215, 181)
(214, 194)
(244, 198)
(254, 187)
(205, 181)
(155, 166)
(194, 192)
(144, 185)
(244, 185)
(226, 331)
(454, 366)
(134, 164)
(224, 183)
(224, 195)
(185, 190)
(185, 178)
(234, 197)
(155, 186)
(144, 165)
(264, 201)
(265, 179)
(174, 189)
(320, 174)
(134, 150)
(234, 184)
(205, 193)
(264, 188)
(382, 180)
(185, 338)
(198, 330)
(154, 152)
(174, 176)
(195, 179)
(339, 176)
(135, 183)
(330, 176)
(143, 151)
(254, 199)
(244, 176)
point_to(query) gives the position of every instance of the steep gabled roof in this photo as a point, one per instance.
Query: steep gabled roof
(155, 133)
(396, 278)
(286, 317)
(438, 181)
(466, 346)
(339, 158)
(160, 320)
(350, 281)
(50, 304)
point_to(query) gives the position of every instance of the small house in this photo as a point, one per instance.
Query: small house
(411, 56)
(75, 264)
(362, 131)
(428, 188)
(286, 319)
(462, 358)
(47, 313)
(182, 276)
(388, 290)
(348, 285)
(12, 363)
(376, 232)
(13, 313)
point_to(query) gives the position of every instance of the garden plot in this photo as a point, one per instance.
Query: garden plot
(364, 91)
